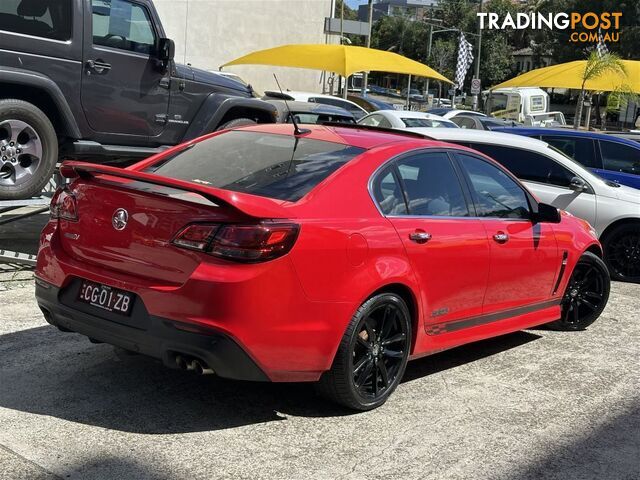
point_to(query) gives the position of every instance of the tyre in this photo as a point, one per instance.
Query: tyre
(372, 355)
(238, 122)
(622, 252)
(586, 294)
(28, 150)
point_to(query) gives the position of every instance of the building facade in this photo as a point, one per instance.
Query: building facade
(209, 33)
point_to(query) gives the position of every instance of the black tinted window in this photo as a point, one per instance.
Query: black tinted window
(432, 185)
(124, 25)
(388, 194)
(528, 165)
(275, 166)
(580, 149)
(619, 157)
(495, 193)
(40, 18)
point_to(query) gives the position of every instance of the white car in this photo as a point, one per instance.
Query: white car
(356, 110)
(404, 119)
(448, 112)
(612, 210)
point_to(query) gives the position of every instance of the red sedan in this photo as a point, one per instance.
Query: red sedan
(335, 255)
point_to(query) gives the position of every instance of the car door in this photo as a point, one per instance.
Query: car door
(424, 199)
(524, 254)
(550, 181)
(122, 87)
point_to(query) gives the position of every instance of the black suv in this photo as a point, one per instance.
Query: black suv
(96, 79)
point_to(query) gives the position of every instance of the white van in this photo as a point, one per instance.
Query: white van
(528, 105)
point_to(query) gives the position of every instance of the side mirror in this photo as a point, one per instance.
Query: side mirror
(577, 184)
(166, 52)
(547, 214)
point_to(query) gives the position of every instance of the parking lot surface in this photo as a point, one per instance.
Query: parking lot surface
(532, 405)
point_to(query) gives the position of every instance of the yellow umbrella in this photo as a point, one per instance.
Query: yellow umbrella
(340, 59)
(569, 75)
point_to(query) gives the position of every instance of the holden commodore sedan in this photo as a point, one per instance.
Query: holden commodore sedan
(331, 255)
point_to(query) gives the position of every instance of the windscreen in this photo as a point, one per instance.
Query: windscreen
(275, 166)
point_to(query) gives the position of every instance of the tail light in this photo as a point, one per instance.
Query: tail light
(242, 243)
(64, 205)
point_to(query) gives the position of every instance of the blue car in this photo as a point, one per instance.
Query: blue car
(613, 158)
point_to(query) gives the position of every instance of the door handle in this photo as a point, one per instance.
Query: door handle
(97, 66)
(420, 237)
(501, 237)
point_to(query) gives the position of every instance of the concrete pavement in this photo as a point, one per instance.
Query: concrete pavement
(531, 405)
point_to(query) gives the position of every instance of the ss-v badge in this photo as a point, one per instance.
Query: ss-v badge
(120, 219)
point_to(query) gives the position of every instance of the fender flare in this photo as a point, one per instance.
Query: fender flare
(24, 77)
(220, 104)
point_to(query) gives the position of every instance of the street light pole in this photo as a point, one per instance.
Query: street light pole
(365, 80)
(426, 88)
(477, 75)
(431, 33)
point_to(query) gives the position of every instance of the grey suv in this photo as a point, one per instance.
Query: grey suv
(96, 79)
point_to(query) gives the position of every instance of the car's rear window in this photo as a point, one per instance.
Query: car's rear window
(276, 166)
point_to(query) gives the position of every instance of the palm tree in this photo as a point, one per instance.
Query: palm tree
(597, 65)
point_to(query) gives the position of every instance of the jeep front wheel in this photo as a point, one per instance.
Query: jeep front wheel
(28, 150)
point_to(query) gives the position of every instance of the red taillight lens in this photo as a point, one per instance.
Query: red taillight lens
(64, 205)
(196, 237)
(243, 243)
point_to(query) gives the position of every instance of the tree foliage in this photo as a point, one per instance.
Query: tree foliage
(410, 38)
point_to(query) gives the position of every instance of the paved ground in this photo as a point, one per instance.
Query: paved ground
(532, 405)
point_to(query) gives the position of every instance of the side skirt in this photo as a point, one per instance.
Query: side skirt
(456, 325)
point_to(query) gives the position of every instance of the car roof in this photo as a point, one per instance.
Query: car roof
(410, 114)
(306, 107)
(353, 135)
(569, 133)
(481, 136)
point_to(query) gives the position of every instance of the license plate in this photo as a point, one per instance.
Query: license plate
(105, 297)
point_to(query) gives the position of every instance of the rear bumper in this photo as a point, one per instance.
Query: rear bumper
(153, 336)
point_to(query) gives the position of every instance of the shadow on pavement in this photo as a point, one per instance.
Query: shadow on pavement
(610, 451)
(47, 372)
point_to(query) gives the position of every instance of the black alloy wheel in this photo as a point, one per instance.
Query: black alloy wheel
(622, 253)
(372, 355)
(586, 294)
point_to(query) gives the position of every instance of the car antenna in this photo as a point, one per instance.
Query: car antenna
(296, 129)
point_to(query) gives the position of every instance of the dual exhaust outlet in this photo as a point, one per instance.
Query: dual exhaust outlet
(193, 364)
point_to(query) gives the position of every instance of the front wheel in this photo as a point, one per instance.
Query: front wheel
(586, 294)
(372, 355)
(28, 150)
(622, 252)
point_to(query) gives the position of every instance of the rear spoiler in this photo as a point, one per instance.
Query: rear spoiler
(252, 205)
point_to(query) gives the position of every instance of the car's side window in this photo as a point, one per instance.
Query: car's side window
(124, 25)
(528, 165)
(376, 121)
(581, 150)
(388, 194)
(432, 185)
(619, 157)
(495, 194)
(50, 20)
(465, 122)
